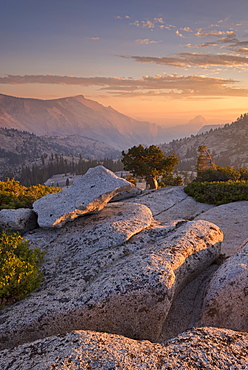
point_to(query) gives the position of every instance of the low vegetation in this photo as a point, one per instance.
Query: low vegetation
(13, 195)
(19, 268)
(218, 192)
(222, 174)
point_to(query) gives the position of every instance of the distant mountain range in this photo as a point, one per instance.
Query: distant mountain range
(80, 127)
(228, 145)
(76, 116)
(80, 116)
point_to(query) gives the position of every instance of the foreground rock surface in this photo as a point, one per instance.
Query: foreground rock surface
(201, 348)
(186, 310)
(21, 219)
(91, 192)
(232, 219)
(226, 301)
(97, 278)
(171, 203)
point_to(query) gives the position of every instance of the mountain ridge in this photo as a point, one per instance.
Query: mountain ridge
(77, 115)
(227, 145)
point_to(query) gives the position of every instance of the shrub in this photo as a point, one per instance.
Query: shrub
(243, 174)
(217, 192)
(218, 174)
(19, 268)
(14, 195)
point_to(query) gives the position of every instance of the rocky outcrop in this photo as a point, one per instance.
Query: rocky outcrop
(226, 301)
(186, 309)
(96, 277)
(134, 192)
(232, 219)
(21, 219)
(146, 273)
(201, 348)
(91, 192)
(171, 203)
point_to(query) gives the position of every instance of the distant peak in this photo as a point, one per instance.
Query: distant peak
(198, 120)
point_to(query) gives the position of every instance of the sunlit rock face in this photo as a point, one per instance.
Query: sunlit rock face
(91, 192)
(206, 348)
(116, 271)
(226, 300)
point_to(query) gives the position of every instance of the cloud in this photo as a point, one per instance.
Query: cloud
(179, 34)
(95, 38)
(242, 51)
(229, 40)
(165, 85)
(213, 25)
(186, 60)
(147, 41)
(127, 17)
(118, 17)
(201, 33)
(147, 24)
(223, 20)
(158, 20)
(167, 27)
(135, 23)
(154, 23)
(186, 29)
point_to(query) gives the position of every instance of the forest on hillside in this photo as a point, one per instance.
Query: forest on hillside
(54, 164)
(227, 145)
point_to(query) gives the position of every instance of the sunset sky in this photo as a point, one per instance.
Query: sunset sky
(162, 61)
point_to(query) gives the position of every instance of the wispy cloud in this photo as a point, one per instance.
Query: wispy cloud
(167, 26)
(154, 23)
(95, 38)
(223, 20)
(227, 39)
(202, 33)
(187, 60)
(165, 85)
(147, 41)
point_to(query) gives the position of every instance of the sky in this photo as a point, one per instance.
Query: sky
(162, 61)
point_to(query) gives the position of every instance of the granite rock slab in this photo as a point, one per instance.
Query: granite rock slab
(90, 193)
(226, 299)
(171, 203)
(21, 219)
(199, 348)
(232, 218)
(134, 192)
(124, 285)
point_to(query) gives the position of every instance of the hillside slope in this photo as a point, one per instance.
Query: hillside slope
(18, 148)
(228, 145)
